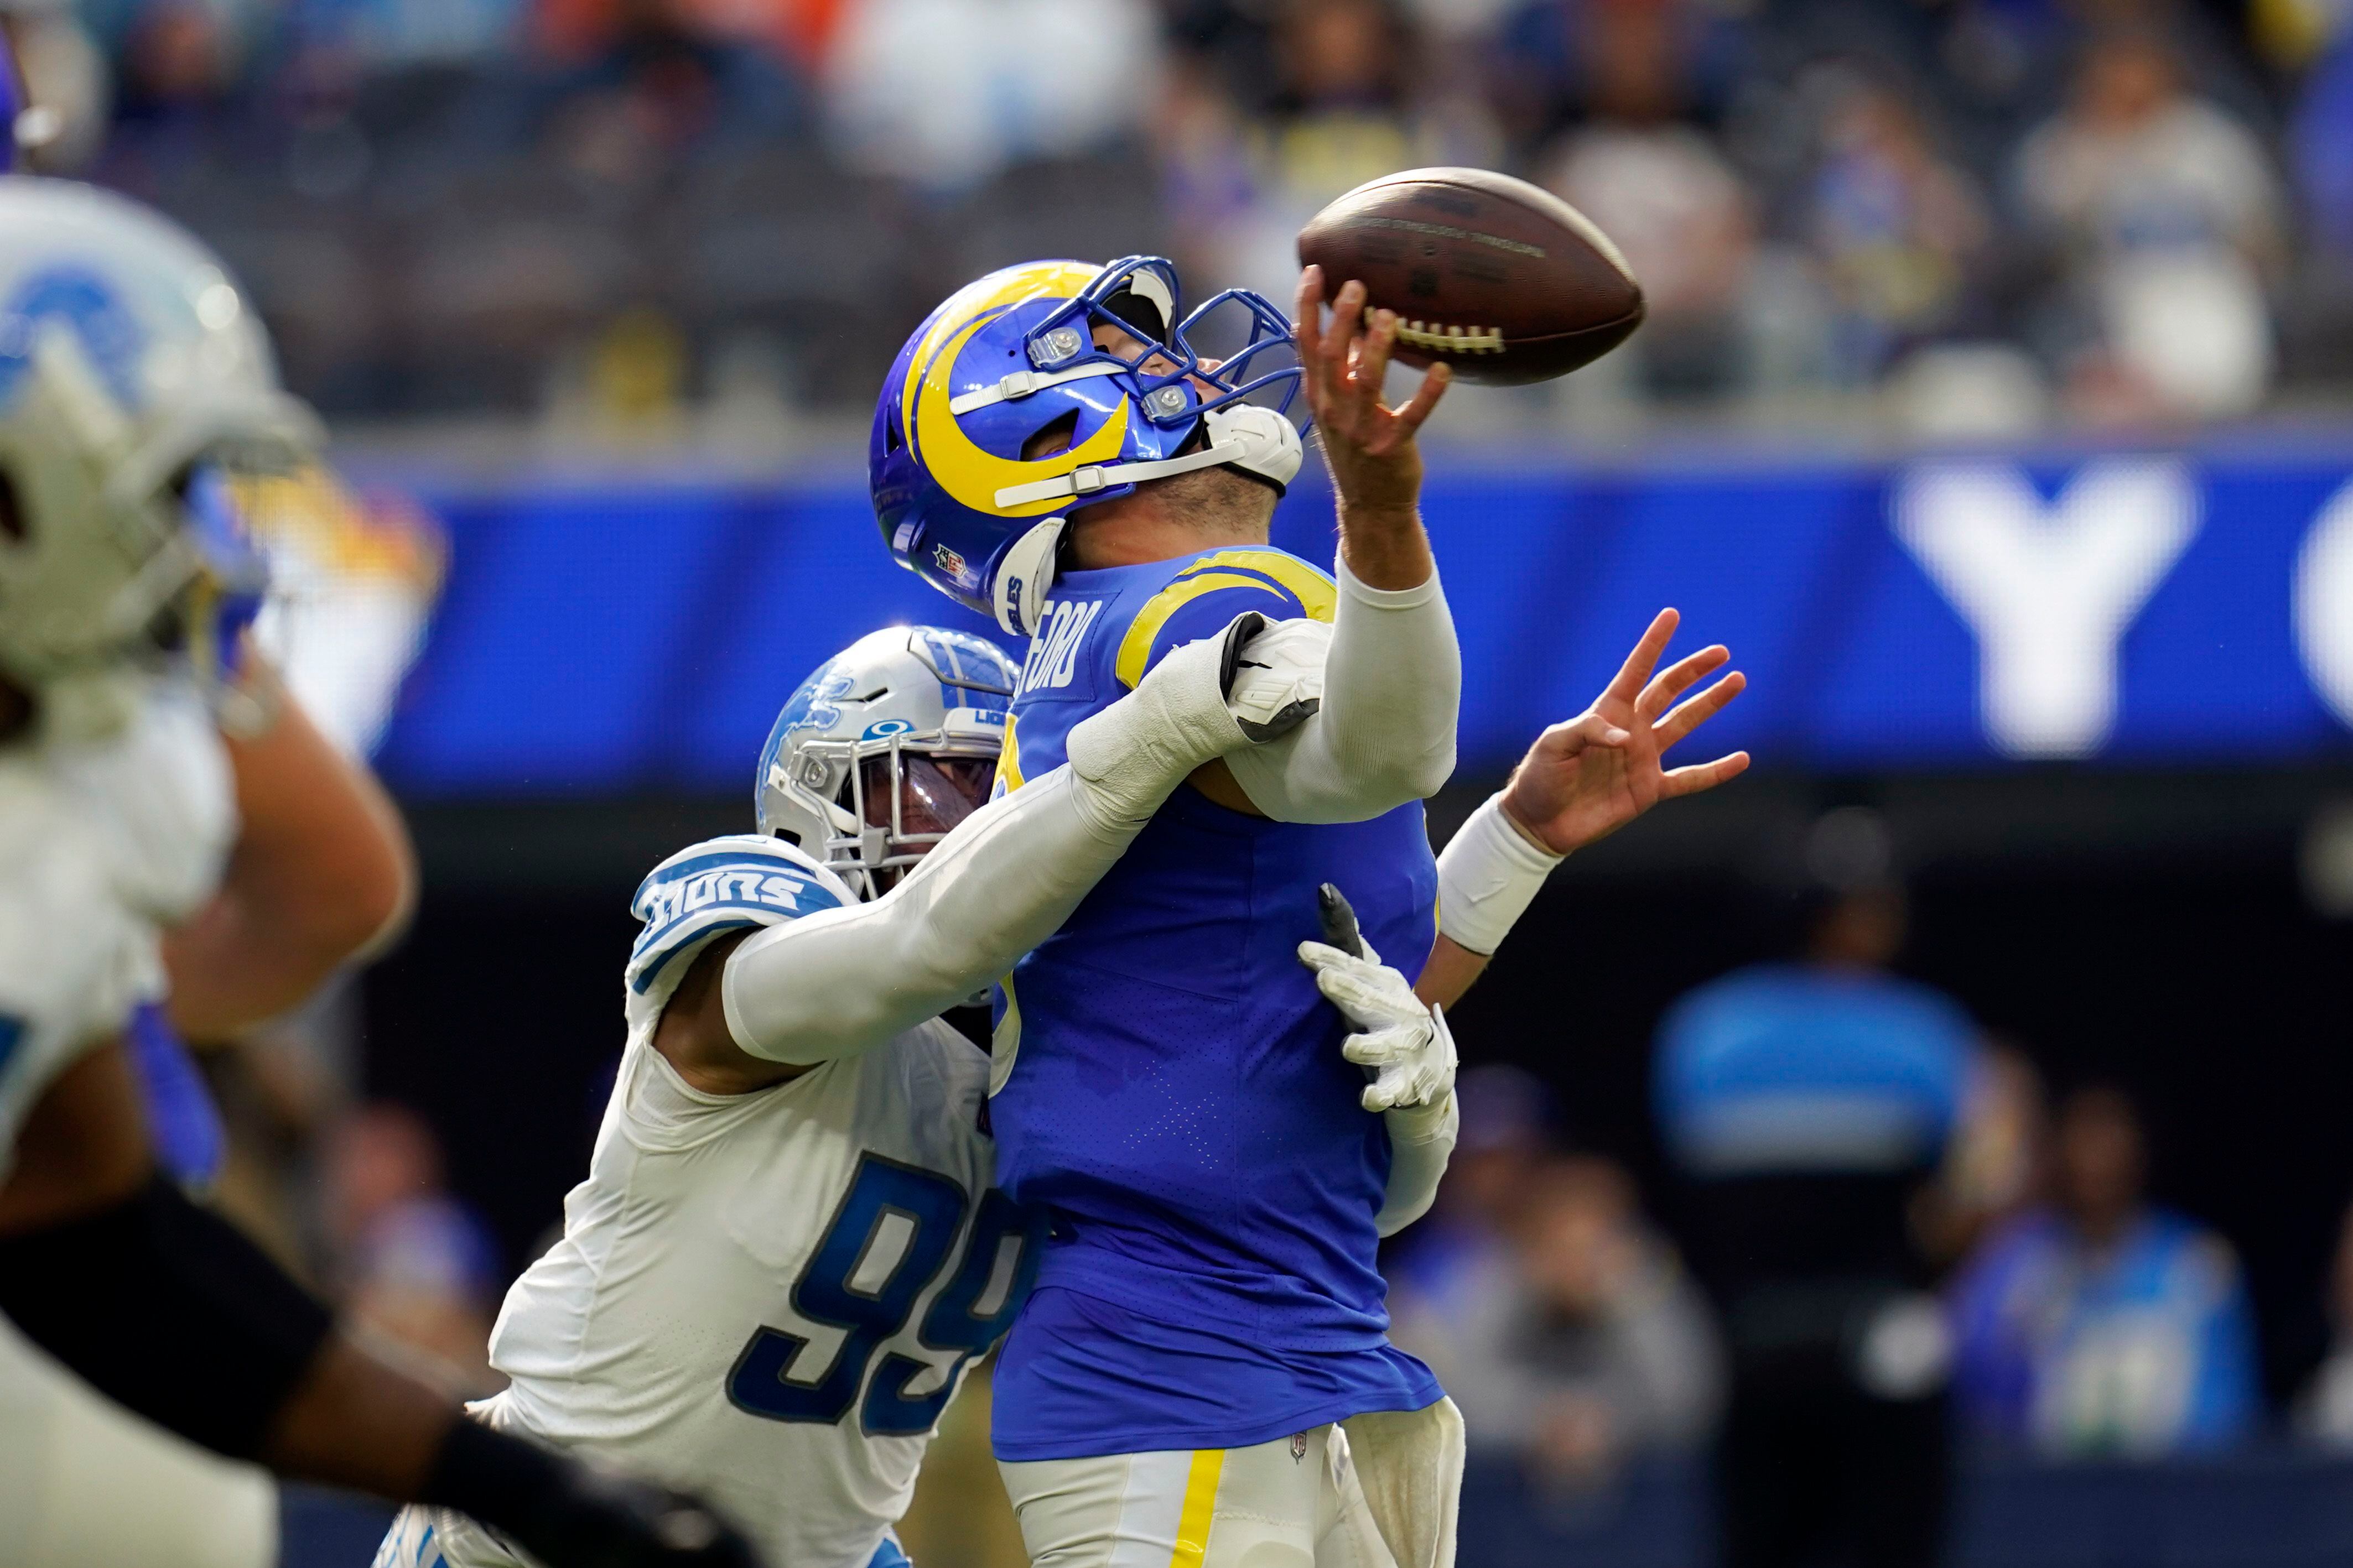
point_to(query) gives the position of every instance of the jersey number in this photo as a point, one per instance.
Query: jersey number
(831, 1291)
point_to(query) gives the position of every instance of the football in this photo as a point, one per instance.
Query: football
(1505, 282)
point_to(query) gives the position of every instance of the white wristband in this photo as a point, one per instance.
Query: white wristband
(1487, 877)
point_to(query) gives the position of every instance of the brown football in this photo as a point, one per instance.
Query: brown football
(1507, 283)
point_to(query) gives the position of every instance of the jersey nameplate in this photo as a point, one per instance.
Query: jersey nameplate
(1055, 652)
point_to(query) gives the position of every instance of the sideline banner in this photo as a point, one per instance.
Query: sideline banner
(2134, 607)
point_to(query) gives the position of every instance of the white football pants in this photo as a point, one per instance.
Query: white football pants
(1304, 1502)
(86, 1484)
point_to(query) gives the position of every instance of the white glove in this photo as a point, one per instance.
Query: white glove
(1404, 1043)
(1279, 678)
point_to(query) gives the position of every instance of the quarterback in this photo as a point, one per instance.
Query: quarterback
(132, 379)
(790, 1245)
(1053, 447)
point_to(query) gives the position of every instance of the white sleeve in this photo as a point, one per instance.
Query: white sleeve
(1385, 734)
(845, 980)
(1421, 1140)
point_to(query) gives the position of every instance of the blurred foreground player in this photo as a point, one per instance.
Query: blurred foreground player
(1203, 1374)
(789, 1246)
(132, 379)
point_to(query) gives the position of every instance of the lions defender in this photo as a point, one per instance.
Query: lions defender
(1052, 446)
(789, 1246)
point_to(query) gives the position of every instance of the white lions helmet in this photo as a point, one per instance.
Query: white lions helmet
(891, 743)
(133, 375)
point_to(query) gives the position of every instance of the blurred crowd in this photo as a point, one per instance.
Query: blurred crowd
(1895, 1244)
(645, 220)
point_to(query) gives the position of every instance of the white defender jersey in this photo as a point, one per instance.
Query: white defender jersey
(101, 844)
(765, 1297)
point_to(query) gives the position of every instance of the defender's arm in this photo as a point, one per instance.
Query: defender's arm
(1422, 1142)
(1391, 688)
(843, 981)
(1405, 1043)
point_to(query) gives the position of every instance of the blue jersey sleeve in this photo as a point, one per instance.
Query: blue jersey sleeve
(1204, 598)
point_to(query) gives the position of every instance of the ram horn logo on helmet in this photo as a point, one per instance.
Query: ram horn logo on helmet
(1056, 385)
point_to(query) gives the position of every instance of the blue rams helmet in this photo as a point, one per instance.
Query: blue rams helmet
(888, 746)
(1014, 356)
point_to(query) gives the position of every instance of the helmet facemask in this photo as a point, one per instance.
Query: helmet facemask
(897, 795)
(884, 749)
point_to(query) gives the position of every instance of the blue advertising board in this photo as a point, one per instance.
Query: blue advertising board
(2132, 607)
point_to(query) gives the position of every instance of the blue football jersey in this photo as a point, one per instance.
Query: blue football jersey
(1169, 1082)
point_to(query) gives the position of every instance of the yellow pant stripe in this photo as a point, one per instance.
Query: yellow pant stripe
(1200, 1504)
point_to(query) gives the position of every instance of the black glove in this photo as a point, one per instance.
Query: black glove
(567, 1514)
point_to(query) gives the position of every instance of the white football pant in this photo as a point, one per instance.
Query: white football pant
(1296, 1502)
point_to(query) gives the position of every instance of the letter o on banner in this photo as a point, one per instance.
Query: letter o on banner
(2322, 593)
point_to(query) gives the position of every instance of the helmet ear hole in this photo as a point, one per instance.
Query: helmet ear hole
(12, 512)
(1055, 436)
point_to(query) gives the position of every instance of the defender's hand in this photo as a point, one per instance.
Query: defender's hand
(1405, 1044)
(1369, 447)
(1276, 682)
(1585, 779)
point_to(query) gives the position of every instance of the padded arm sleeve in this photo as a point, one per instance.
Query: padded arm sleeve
(1392, 690)
(843, 981)
(1421, 1140)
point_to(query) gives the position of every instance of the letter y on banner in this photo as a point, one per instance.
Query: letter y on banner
(2050, 590)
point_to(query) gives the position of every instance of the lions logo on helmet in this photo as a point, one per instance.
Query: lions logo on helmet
(134, 378)
(964, 493)
(883, 749)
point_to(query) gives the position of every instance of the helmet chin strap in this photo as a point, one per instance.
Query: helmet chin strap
(1256, 440)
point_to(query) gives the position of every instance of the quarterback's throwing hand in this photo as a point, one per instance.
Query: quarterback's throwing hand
(1585, 779)
(1403, 1042)
(1368, 446)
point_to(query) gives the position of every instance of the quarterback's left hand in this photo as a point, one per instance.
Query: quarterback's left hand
(1405, 1043)
(1585, 779)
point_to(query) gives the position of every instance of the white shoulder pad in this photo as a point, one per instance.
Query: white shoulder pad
(715, 886)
